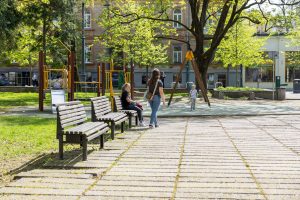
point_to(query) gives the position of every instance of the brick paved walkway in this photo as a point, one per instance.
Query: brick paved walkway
(186, 158)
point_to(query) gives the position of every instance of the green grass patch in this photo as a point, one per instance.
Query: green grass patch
(238, 89)
(21, 135)
(11, 99)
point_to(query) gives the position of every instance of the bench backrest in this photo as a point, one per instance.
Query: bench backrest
(117, 103)
(100, 107)
(69, 114)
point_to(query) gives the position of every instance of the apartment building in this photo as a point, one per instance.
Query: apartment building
(277, 48)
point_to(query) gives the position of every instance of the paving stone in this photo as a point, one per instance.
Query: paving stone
(129, 188)
(57, 180)
(40, 191)
(214, 195)
(136, 183)
(118, 198)
(38, 197)
(215, 164)
(54, 175)
(125, 194)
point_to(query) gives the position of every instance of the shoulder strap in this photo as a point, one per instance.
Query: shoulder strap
(155, 86)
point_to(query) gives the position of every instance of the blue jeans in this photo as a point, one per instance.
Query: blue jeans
(154, 104)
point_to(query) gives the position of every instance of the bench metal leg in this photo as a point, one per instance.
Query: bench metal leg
(101, 141)
(122, 127)
(84, 149)
(130, 121)
(136, 121)
(61, 147)
(112, 128)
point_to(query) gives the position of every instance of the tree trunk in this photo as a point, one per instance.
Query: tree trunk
(203, 67)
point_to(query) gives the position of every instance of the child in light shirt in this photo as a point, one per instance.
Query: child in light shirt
(193, 97)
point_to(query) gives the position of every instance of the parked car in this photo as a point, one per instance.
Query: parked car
(3, 81)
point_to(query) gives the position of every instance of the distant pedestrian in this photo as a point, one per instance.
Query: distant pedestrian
(162, 78)
(34, 80)
(193, 97)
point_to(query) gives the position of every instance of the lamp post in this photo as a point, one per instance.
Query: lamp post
(83, 41)
(108, 50)
(188, 47)
(274, 56)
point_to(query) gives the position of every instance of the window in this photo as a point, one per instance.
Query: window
(87, 19)
(12, 78)
(177, 54)
(88, 54)
(211, 79)
(292, 65)
(175, 77)
(177, 16)
(260, 74)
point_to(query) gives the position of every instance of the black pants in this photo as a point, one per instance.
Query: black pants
(137, 109)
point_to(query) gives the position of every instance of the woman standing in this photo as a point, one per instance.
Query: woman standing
(156, 88)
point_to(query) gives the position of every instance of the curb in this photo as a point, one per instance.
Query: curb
(231, 115)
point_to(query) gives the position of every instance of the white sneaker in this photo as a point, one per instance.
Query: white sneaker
(142, 124)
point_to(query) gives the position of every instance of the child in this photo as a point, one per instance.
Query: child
(193, 97)
(129, 104)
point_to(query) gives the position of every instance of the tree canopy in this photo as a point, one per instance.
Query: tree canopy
(10, 18)
(241, 47)
(224, 15)
(137, 39)
(50, 25)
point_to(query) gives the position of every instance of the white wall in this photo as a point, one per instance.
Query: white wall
(279, 44)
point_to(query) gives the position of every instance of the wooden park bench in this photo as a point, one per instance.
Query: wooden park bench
(130, 113)
(73, 128)
(101, 111)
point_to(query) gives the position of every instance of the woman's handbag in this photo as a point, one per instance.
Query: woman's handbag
(145, 94)
(149, 95)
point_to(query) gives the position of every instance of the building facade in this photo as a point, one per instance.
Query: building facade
(276, 48)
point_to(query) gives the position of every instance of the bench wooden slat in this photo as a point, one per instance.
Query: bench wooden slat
(70, 111)
(68, 107)
(73, 114)
(107, 109)
(73, 118)
(101, 111)
(112, 116)
(104, 130)
(80, 128)
(74, 122)
(87, 129)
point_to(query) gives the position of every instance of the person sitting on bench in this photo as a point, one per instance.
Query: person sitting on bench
(129, 104)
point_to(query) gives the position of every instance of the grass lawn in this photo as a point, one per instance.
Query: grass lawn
(10, 99)
(23, 138)
(238, 89)
(22, 135)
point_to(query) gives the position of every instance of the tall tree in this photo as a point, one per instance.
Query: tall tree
(48, 25)
(225, 13)
(240, 46)
(10, 18)
(136, 40)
